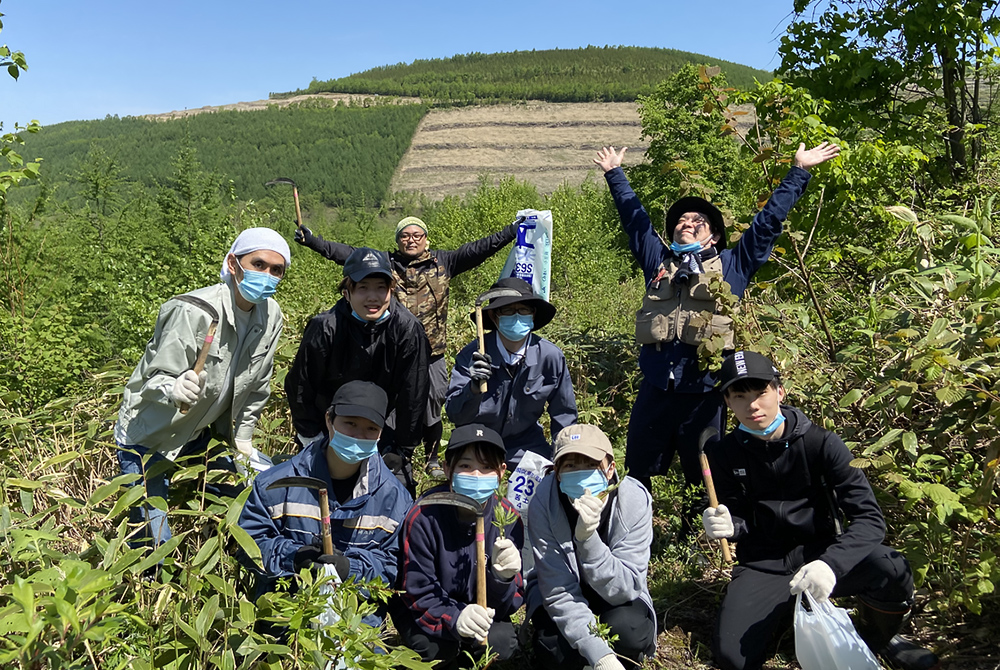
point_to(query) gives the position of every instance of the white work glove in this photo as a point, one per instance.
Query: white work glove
(306, 441)
(475, 621)
(589, 508)
(609, 662)
(718, 522)
(188, 388)
(506, 559)
(248, 458)
(817, 578)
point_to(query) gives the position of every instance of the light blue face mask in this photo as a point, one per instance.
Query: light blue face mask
(575, 483)
(516, 326)
(385, 315)
(773, 426)
(351, 449)
(477, 487)
(257, 287)
(678, 248)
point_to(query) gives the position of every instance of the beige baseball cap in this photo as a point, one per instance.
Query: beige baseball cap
(584, 439)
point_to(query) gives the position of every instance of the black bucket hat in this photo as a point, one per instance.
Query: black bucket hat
(544, 310)
(695, 204)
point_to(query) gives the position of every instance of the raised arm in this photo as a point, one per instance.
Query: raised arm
(473, 254)
(335, 251)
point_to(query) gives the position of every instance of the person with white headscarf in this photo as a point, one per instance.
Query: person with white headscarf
(169, 412)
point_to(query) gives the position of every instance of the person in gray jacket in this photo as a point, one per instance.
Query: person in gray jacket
(170, 412)
(590, 533)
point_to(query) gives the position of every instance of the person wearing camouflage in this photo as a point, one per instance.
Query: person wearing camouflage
(422, 278)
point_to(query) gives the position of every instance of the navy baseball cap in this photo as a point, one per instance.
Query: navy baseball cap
(364, 262)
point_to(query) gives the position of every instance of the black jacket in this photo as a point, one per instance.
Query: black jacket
(337, 348)
(781, 506)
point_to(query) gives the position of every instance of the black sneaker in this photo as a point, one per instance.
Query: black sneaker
(905, 655)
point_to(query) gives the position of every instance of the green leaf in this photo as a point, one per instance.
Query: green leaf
(207, 616)
(910, 443)
(102, 492)
(246, 542)
(132, 496)
(852, 397)
(158, 554)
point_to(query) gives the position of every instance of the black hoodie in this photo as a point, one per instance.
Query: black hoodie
(781, 513)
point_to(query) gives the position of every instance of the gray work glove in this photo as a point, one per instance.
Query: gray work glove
(188, 388)
(303, 235)
(481, 368)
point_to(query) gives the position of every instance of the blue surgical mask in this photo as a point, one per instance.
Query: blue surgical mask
(678, 248)
(256, 287)
(575, 483)
(773, 426)
(516, 326)
(385, 315)
(351, 449)
(477, 487)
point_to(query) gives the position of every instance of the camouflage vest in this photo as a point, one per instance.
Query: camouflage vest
(670, 312)
(422, 288)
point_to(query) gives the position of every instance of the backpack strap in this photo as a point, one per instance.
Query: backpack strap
(814, 442)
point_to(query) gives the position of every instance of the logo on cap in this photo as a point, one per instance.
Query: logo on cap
(370, 258)
(479, 433)
(574, 437)
(741, 364)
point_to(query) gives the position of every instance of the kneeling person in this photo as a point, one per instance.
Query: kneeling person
(367, 503)
(436, 613)
(785, 487)
(590, 533)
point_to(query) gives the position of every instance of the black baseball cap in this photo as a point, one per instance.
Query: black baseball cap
(358, 398)
(471, 433)
(746, 365)
(364, 262)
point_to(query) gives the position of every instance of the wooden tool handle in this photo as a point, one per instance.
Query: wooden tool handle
(481, 563)
(482, 342)
(298, 211)
(324, 510)
(713, 501)
(199, 363)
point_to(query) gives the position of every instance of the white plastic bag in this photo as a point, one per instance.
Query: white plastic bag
(524, 480)
(530, 258)
(825, 638)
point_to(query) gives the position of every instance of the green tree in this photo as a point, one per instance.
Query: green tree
(12, 166)
(885, 65)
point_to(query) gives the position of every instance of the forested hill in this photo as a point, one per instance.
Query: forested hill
(603, 74)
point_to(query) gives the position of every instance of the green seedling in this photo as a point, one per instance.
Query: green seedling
(503, 517)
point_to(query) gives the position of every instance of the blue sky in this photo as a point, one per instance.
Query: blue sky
(90, 59)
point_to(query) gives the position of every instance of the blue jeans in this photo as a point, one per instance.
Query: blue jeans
(155, 470)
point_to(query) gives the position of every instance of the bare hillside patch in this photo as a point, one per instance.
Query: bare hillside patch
(543, 143)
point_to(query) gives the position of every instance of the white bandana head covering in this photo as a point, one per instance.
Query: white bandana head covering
(255, 239)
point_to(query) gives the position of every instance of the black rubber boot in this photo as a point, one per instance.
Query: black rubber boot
(879, 623)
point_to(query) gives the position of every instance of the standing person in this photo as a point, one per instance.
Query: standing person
(367, 503)
(366, 336)
(169, 411)
(436, 613)
(803, 519)
(590, 531)
(523, 372)
(422, 278)
(676, 398)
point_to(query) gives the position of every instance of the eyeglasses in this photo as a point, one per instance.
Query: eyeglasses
(416, 237)
(511, 310)
(696, 219)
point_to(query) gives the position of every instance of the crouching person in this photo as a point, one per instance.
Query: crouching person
(436, 613)
(590, 532)
(367, 503)
(803, 520)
